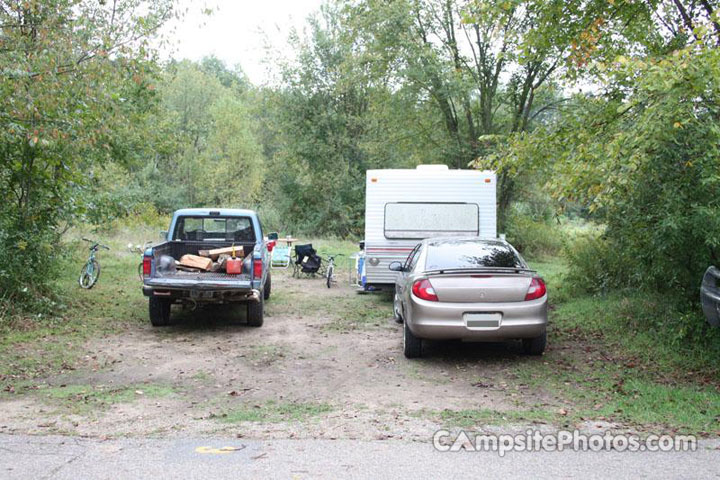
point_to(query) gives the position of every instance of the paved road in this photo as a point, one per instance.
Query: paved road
(73, 458)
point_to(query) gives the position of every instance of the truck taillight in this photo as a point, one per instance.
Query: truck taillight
(147, 265)
(424, 290)
(537, 289)
(257, 268)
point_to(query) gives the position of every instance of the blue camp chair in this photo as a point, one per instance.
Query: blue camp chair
(280, 256)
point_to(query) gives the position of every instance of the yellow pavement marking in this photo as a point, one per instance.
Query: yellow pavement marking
(218, 451)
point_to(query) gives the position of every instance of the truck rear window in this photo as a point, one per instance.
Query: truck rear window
(214, 229)
(452, 254)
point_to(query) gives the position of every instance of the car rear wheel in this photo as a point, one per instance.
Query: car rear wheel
(412, 345)
(255, 312)
(397, 316)
(159, 311)
(535, 346)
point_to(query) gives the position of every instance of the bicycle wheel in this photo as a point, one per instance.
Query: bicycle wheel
(329, 275)
(89, 274)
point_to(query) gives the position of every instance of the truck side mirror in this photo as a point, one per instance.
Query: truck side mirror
(163, 235)
(396, 266)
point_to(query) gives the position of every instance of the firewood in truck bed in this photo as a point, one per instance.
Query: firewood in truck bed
(215, 253)
(195, 261)
(219, 266)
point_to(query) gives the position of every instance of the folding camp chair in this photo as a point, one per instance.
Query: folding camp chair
(307, 260)
(280, 257)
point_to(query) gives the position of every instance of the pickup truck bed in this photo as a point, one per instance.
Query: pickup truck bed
(183, 280)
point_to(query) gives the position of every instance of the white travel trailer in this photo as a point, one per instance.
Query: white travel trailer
(402, 207)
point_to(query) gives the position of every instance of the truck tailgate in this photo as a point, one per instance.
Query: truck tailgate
(201, 281)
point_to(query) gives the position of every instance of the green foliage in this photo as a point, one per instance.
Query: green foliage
(652, 174)
(68, 70)
(318, 166)
(642, 157)
(192, 145)
(533, 238)
(596, 268)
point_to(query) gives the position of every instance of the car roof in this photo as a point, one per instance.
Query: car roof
(226, 212)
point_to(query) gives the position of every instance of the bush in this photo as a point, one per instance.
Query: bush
(534, 238)
(30, 264)
(594, 267)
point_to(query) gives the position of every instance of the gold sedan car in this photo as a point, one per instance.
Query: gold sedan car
(469, 289)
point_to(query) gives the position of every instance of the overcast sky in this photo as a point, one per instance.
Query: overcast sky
(238, 30)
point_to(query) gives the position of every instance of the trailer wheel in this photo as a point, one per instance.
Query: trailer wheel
(159, 311)
(255, 312)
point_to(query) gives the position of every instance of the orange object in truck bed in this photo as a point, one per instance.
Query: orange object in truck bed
(233, 266)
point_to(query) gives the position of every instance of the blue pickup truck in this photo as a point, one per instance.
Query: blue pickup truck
(191, 231)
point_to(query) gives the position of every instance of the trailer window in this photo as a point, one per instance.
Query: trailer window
(224, 229)
(422, 220)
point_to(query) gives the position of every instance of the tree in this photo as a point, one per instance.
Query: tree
(63, 67)
(479, 63)
(642, 153)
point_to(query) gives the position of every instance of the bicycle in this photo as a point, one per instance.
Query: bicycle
(91, 271)
(330, 270)
(141, 250)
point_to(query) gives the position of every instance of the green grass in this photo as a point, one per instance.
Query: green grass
(690, 408)
(360, 312)
(272, 412)
(641, 326)
(612, 357)
(482, 417)
(83, 399)
(40, 345)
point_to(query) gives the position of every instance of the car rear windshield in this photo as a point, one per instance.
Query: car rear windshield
(463, 254)
(224, 229)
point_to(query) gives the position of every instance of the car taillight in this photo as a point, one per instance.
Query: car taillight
(423, 289)
(147, 265)
(537, 289)
(257, 268)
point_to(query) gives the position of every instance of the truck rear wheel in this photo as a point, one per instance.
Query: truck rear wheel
(268, 287)
(255, 312)
(159, 311)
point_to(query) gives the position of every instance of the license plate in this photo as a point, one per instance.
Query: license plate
(482, 320)
(201, 294)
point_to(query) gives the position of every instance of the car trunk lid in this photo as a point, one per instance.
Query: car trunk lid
(480, 287)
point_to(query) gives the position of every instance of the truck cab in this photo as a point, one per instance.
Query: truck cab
(195, 231)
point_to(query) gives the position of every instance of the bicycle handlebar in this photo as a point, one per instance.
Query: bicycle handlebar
(97, 244)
